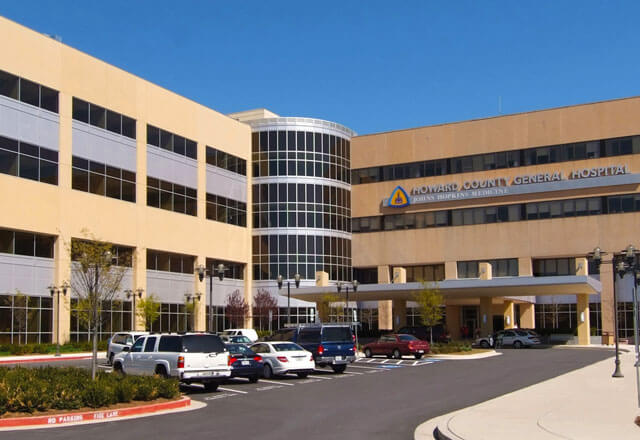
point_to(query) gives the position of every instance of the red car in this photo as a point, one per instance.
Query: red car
(397, 345)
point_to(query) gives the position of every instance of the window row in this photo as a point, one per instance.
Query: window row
(226, 161)
(307, 271)
(366, 275)
(101, 117)
(505, 267)
(171, 196)
(301, 193)
(300, 141)
(28, 161)
(226, 210)
(288, 219)
(232, 270)
(104, 180)
(115, 316)
(550, 267)
(28, 92)
(26, 243)
(497, 214)
(270, 245)
(171, 142)
(25, 319)
(303, 168)
(505, 159)
(120, 255)
(426, 272)
(168, 262)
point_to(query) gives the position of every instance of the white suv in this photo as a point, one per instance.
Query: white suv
(190, 357)
(120, 340)
(248, 332)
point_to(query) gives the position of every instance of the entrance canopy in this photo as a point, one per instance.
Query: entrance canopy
(516, 287)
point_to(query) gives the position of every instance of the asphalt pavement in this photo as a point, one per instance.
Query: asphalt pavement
(376, 399)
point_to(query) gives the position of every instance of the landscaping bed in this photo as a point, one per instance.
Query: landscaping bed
(451, 347)
(72, 347)
(49, 390)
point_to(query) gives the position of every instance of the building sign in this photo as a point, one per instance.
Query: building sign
(522, 184)
(399, 198)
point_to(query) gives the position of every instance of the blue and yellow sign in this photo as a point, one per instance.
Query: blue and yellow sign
(399, 198)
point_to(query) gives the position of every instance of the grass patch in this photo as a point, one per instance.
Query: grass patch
(26, 349)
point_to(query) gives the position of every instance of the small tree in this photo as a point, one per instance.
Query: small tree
(263, 303)
(95, 280)
(330, 303)
(148, 309)
(237, 308)
(189, 308)
(429, 302)
(22, 315)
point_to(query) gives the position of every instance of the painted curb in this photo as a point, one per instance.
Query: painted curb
(46, 359)
(91, 416)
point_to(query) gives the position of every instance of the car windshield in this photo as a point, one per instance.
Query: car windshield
(202, 344)
(287, 347)
(240, 349)
(522, 333)
(336, 334)
(241, 339)
(407, 338)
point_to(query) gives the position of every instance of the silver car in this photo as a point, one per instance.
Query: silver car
(517, 338)
(120, 340)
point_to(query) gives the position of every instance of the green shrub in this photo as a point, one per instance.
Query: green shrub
(98, 393)
(168, 388)
(125, 390)
(146, 388)
(4, 398)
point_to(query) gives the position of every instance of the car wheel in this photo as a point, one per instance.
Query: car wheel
(338, 369)
(484, 344)
(210, 387)
(268, 372)
(253, 379)
(418, 356)
(161, 371)
(396, 354)
(517, 344)
(302, 375)
(110, 360)
(117, 368)
(367, 353)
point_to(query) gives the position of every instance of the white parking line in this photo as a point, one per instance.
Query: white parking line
(232, 390)
(415, 363)
(384, 361)
(366, 368)
(278, 383)
(351, 372)
(398, 363)
(321, 377)
(370, 360)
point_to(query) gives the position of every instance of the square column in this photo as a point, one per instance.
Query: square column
(527, 315)
(584, 325)
(399, 308)
(139, 269)
(453, 321)
(606, 296)
(450, 270)
(508, 311)
(322, 280)
(200, 306)
(525, 267)
(486, 317)
(385, 315)
(248, 296)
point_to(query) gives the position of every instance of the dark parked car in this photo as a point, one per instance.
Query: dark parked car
(244, 362)
(423, 332)
(397, 345)
(331, 344)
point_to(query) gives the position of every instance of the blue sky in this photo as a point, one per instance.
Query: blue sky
(371, 65)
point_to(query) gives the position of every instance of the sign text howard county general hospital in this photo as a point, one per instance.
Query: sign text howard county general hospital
(502, 186)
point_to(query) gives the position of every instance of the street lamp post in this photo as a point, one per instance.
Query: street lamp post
(53, 290)
(280, 280)
(346, 286)
(133, 295)
(619, 268)
(201, 270)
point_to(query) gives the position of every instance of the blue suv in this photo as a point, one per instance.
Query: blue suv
(331, 344)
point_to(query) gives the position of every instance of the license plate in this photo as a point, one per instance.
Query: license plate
(338, 358)
(246, 363)
(420, 351)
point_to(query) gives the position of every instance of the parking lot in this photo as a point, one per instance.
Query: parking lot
(375, 398)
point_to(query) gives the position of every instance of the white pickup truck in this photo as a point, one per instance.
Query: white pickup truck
(191, 357)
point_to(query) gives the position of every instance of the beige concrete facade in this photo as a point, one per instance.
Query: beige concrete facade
(65, 213)
(523, 240)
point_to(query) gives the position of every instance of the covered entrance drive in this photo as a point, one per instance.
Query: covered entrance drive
(496, 298)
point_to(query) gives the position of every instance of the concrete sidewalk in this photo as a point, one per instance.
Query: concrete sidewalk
(583, 404)
(48, 357)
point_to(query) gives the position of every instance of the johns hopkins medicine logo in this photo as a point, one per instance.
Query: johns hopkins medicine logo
(399, 198)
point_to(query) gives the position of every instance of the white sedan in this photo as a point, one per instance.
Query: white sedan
(282, 357)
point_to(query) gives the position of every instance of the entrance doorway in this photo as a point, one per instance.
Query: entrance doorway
(498, 323)
(469, 321)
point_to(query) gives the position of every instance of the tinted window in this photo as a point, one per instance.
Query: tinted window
(170, 343)
(240, 349)
(338, 334)
(150, 344)
(287, 347)
(137, 347)
(202, 344)
(309, 335)
(407, 338)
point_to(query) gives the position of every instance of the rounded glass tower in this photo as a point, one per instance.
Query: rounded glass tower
(301, 199)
